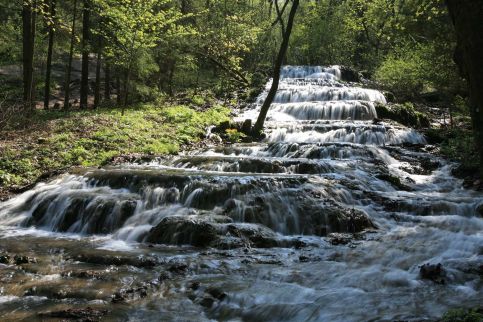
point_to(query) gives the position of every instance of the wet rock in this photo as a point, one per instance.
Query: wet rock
(254, 235)
(83, 274)
(350, 75)
(404, 114)
(87, 314)
(140, 261)
(216, 293)
(394, 181)
(340, 239)
(164, 276)
(180, 230)
(207, 302)
(429, 165)
(194, 286)
(130, 294)
(178, 268)
(433, 272)
(19, 260)
(4, 259)
(348, 220)
(247, 127)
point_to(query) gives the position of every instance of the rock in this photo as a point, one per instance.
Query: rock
(340, 239)
(178, 268)
(432, 272)
(404, 114)
(207, 302)
(394, 181)
(194, 286)
(247, 127)
(181, 230)
(130, 294)
(86, 314)
(4, 259)
(82, 274)
(255, 235)
(350, 75)
(216, 293)
(19, 260)
(479, 211)
(100, 259)
(164, 276)
(429, 165)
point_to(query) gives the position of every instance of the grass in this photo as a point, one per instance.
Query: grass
(58, 140)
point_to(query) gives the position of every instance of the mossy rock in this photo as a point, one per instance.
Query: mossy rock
(404, 114)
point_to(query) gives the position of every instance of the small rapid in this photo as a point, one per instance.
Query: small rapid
(330, 218)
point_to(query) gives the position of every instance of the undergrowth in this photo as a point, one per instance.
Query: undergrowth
(59, 140)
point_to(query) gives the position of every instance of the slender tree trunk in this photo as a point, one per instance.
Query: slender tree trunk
(126, 89)
(467, 17)
(107, 82)
(32, 41)
(84, 90)
(276, 72)
(27, 50)
(69, 64)
(118, 90)
(97, 92)
(48, 72)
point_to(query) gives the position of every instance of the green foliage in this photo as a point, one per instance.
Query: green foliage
(458, 144)
(462, 315)
(234, 136)
(403, 113)
(415, 68)
(93, 138)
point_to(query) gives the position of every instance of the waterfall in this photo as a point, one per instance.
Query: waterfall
(321, 221)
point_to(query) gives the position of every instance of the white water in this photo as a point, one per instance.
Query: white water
(322, 151)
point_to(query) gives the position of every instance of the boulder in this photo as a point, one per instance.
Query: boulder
(433, 272)
(185, 230)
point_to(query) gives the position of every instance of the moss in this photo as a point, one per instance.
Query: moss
(403, 113)
(462, 315)
(59, 140)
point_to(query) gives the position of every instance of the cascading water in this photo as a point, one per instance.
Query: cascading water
(329, 219)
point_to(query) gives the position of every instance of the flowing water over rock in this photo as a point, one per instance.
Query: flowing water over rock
(329, 219)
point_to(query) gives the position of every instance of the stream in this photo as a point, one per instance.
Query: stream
(330, 218)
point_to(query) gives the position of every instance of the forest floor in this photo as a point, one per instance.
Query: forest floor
(56, 141)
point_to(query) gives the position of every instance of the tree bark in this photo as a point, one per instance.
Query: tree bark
(97, 91)
(467, 17)
(32, 40)
(48, 72)
(69, 64)
(107, 82)
(84, 90)
(126, 89)
(118, 90)
(257, 129)
(27, 51)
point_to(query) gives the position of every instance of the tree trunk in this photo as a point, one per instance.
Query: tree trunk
(69, 64)
(48, 72)
(257, 129)
(32, 54)
(27, 50)
(97, 91)
(118, 90)
(107, 82)
(126, 89)
(467, 17)
(84, 90)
